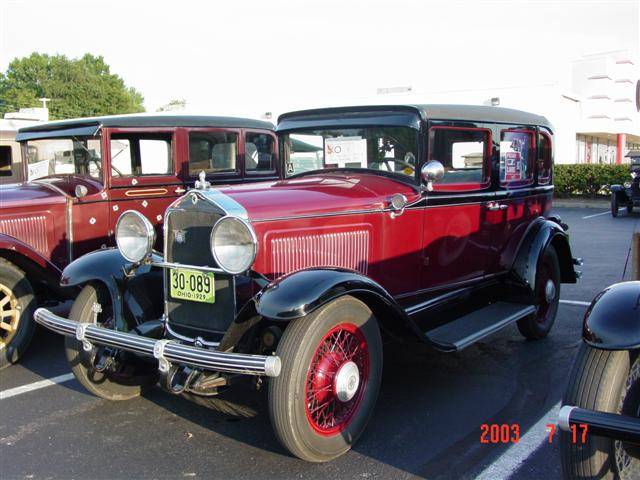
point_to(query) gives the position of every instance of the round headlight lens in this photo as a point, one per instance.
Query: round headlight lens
(627, 184)
(135, 236)
(233, 244)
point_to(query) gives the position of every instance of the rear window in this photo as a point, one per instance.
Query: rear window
(516, 157)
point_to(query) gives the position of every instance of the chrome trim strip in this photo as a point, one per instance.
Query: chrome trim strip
(69, 219)
(412, 310)
(186, 267)
(164, 350)
(564, 417)
(316, 215)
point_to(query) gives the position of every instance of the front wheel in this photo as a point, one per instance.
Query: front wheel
(629, 208)
(606, 381)
(615, 205)
(123, 377)
(331, 370)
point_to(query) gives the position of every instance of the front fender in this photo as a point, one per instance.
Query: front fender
(612, 321)
(300, 293)
(541, 234)
(136, 291)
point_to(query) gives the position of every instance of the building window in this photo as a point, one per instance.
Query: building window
(465, 154)
(5, 161)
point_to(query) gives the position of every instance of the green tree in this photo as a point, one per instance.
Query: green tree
(77, 87)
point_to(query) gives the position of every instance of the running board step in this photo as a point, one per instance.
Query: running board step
(468, 329)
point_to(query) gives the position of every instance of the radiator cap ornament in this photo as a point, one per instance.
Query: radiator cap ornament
(201, 183)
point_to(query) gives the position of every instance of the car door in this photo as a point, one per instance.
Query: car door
(456, 241)
(144, 172)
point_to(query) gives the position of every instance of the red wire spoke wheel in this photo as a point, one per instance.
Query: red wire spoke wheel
(331, 369)
(337, 379)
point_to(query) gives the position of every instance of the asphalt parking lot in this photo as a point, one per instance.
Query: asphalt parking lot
(427, 421)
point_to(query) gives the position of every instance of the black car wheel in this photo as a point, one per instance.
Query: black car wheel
(547, 293)
(17, 304)
(614, 205)
(124, 377)
(629, 208)
(606, 381)
(331, 370)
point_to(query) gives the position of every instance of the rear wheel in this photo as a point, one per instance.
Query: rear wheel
(17, 304)
(606, 381)
(122, 377)
(331, 370)
(615, 206)
(547, 293)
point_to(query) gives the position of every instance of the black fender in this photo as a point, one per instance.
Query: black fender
(542, 233)
(612, 321)
(298, 294)
(136, 290)
(620, 192)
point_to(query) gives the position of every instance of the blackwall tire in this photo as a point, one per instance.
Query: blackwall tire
(17, 304)
(539, 324)
(601, 380)
(629, 208)
(295, 400)
(100, 384)
(614, 205)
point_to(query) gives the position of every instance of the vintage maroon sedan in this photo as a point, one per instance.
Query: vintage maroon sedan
(82, 174)
(418, 222)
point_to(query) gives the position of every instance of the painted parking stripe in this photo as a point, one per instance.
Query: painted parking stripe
(514, 456)
(596, 215)
(576, 303)
(12, 392)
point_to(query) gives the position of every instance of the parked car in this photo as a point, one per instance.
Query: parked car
(82, 174)
(628, 194)
(600, 421)
(386, 224)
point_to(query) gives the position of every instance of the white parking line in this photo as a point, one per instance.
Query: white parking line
(596, 215)
(12, 392)
(575, 302)
(511, 459)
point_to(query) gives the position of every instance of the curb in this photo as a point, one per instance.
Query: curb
(581, 203)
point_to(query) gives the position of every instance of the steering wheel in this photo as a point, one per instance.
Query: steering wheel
(386, 161)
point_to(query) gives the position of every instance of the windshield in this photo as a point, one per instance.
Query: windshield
(393, 150)
(64, 156)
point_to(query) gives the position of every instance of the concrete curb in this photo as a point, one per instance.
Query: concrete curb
(581, 203)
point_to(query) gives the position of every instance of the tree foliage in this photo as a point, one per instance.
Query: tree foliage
(79, 87)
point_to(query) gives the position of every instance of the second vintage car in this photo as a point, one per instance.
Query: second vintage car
(407, 222)
(627, 195)
(79, 175)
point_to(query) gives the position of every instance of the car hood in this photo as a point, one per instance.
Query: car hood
(18, 194)
(311, 195)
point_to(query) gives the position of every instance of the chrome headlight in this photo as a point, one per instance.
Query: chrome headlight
(233, 244)
(135, 236)
(627, 184)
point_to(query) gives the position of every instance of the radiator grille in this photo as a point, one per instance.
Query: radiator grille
(30, 230)
(341, 249)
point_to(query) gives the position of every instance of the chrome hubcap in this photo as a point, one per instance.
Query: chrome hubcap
(347, 381)
(550, 291)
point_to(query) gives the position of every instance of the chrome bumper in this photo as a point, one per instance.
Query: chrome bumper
(166, 351)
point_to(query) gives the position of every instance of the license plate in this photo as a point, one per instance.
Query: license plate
(192, 285)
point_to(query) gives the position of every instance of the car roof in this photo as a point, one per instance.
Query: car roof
(476, 113)
(151, 120)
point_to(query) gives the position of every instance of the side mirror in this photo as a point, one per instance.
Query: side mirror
(81, 191)
(432, 171)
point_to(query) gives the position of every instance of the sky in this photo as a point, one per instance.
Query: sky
(249, 57)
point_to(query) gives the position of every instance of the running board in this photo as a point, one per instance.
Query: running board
(468, 329)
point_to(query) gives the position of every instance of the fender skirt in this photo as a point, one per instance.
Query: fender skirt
(136, 291)
(612, 321)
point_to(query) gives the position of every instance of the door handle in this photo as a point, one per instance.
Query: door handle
(495, 206)
(179, 190)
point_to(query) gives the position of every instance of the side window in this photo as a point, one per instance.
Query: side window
(259, 153)
(516, 157)
(5, 161)
(136, 155)
(212, 152)
(465, 154)
(544, 158)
